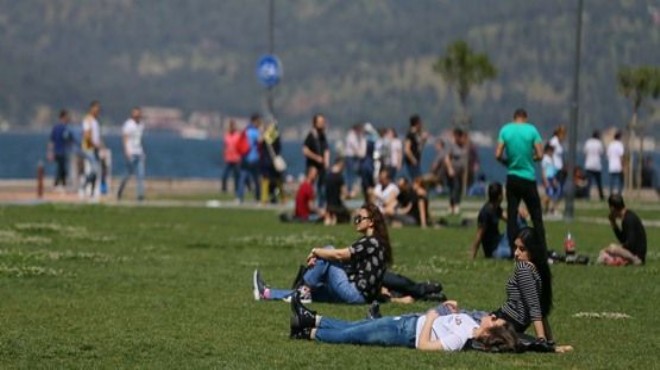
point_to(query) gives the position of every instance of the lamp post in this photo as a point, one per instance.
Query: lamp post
(569, 211)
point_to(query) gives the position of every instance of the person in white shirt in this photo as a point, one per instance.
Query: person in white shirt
(426, 332)
(133, 152)
(90, 146)
(385, 193)
(556, 140)
(615, 152)
(593, 153)
(396, 153)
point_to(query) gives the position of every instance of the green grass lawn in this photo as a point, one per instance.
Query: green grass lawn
(110, 287)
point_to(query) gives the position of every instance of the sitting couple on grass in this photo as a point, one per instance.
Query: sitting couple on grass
(528, 303)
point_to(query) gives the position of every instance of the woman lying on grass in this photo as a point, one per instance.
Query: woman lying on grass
(349, 275)
(428, 332)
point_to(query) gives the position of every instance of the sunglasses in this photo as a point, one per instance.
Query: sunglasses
(360, 218)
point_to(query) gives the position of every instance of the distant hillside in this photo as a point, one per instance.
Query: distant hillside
(354, 60)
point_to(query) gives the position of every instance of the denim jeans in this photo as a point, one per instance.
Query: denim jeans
(249, 171)
(92, 168)
(616, 182)
(503, 251)
(352, 171)
(414, 171)
(397, 331)
(595, 176)
(134, 166)
(328, 282)
(235, 171)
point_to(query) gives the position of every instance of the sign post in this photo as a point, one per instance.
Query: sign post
(269, 73)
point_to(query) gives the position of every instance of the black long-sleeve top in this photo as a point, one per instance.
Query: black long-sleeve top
(632, 234)
(523, 296)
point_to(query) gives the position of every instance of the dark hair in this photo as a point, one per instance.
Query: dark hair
(548, 148)
(616, 201)
(415, 120)
(617, 135)
(94, 103)
(596, 134)
(458, 132)
(500, 338)
(255, 117)
(64, 113)
(539, 257)
(380, 230)
(520, 113)
(315, 118)
(494, 191)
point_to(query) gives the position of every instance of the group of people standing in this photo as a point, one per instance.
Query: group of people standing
(80, 154)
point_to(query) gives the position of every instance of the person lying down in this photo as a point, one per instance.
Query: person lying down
(427, 332)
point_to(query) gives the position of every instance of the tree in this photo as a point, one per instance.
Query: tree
(461, 69)
(637, 84)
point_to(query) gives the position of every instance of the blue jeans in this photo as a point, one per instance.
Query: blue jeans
(328, 282)
(503, 250)
(397, 331)
(352, 171)
(616, 182)
(92, 168)
(414, 171)
(134, 165)
(251, 171)
(234, 169)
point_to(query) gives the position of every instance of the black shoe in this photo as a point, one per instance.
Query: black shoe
(430, 287)
(435, 297)
(301, 316)
(374, 311)
(258, 286)
(301, 333)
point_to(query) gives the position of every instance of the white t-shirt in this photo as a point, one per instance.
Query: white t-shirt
(352, 144)
(593, 151)
(396, 153)
(548, 165)
(91, 124)
(558, 155)
(453, 331)
(382, 194)
(132, 131)
(614, 155)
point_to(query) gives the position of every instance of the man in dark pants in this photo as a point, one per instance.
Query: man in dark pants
(519, 146)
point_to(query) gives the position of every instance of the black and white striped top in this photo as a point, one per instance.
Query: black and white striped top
(523, 292)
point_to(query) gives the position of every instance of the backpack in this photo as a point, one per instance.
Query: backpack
(243, 144)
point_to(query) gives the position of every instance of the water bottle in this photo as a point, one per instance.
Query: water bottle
(569, 245)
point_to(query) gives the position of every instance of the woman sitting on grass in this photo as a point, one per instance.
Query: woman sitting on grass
(427, 332)
(529, 289)
(349, 275)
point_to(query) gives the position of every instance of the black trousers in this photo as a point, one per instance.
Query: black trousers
(455, 188)
(61, 172)
(517, 190)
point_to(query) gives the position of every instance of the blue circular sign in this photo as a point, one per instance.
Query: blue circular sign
(269, 70)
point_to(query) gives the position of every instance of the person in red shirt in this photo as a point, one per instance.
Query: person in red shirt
(305, 209)
(231, 156)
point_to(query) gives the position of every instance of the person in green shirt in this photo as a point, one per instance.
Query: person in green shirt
(519, 146)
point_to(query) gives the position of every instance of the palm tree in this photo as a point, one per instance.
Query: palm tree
(461, 68)
(637, 84)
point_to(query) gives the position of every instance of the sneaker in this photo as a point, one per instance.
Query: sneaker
(259, 288)
(300, 333)
(374, 311)
(305, 295)
(301, 316)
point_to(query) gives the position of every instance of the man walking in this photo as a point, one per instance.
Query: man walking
(90, 145)
(133, 152)
(593, 153)
(519, 146)
(317, 154)
(412, 148)
(615, 152)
